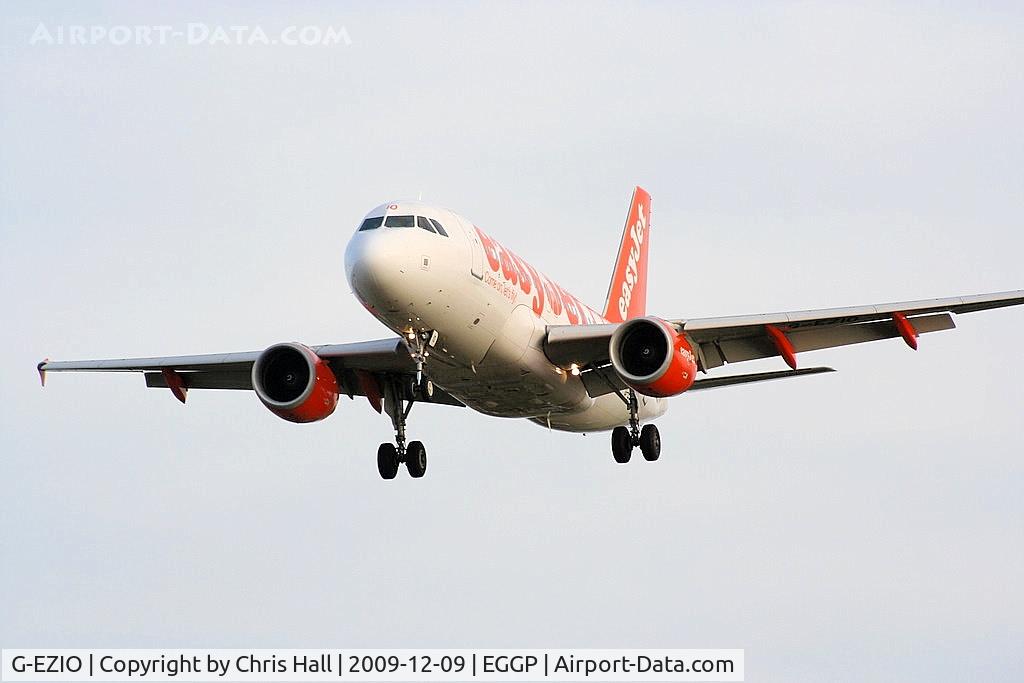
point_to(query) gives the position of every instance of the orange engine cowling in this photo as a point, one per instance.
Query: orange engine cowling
(295, 383)
(652, 358)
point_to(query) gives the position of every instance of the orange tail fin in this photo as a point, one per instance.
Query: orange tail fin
(627, 293)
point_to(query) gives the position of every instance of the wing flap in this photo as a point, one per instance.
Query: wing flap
(732, 380)
(602, 380)
(815, 338)
(226, 379)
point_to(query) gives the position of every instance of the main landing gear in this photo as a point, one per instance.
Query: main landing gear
(624, 439)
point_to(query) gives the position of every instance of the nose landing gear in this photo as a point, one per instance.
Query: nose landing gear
(417, 342)
(399, 394)
(624, 440)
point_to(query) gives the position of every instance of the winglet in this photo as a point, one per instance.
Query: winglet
(41, 367)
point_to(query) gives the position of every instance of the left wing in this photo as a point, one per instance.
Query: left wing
(740, 338)
(717, 341)
(348, 362)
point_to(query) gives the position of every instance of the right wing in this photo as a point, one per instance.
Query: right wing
(351, 364)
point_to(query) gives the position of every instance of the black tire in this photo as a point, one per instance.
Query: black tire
(416, 459)
(387, 460)
(622, 445)
(650, 443)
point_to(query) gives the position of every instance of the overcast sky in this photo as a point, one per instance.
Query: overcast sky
(862, 526)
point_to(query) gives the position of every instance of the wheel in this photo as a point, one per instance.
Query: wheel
(650, 442)
(425, 390)
(387, 460)
(416, 459)
(622, 445)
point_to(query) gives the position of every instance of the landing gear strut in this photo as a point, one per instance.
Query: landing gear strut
(418, 341)
(624, 440)
(398, 401)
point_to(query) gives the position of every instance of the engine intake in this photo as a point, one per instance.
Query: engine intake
(295, 383)
(652, 358)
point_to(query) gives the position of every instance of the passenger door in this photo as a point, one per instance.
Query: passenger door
(477, 259)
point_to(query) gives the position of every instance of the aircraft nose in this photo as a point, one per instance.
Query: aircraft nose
(375, 266)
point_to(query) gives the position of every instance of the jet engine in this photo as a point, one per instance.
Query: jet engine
(652, 358)
(295, 383)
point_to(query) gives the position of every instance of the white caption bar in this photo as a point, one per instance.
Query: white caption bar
(372, 665)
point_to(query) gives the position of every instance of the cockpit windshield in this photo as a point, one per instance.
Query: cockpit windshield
(400, 222)
(437, 225)
(428, 224)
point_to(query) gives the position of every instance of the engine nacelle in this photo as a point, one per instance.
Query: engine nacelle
(652, 358)
(295, 383)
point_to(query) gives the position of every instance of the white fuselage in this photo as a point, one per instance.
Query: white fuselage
(490, 310)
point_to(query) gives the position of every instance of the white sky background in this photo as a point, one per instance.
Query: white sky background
(865, 525)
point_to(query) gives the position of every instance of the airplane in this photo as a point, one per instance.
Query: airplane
(476, 325)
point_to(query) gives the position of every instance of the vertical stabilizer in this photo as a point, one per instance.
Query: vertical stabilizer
(627, 293)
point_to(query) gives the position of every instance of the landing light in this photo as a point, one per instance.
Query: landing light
(575, 370)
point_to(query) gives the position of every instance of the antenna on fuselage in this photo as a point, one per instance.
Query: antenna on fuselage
(419, 197)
